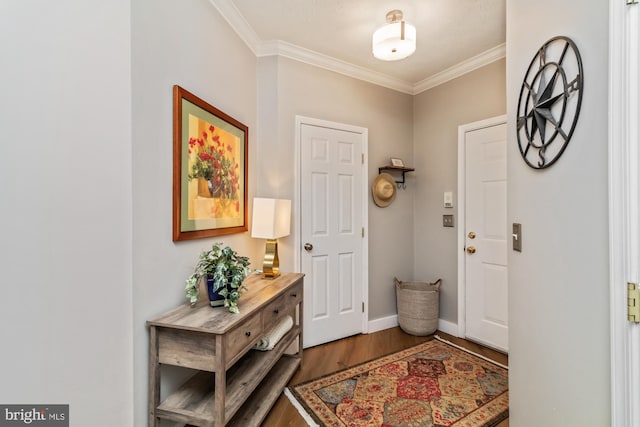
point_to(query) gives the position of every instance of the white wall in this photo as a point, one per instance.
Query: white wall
(558, 301)
(437, 114)
(189, 44)
(301, 89)
(65, 186)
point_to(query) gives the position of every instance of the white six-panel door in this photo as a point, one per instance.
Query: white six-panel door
(331, 224)
(486, 235)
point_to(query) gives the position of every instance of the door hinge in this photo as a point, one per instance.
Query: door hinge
(362, 157)
(633, 302)
(363, 306)
(632, 1)
(362, 231)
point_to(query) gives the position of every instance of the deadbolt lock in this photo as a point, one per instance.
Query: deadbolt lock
(472, 235)
(471, 249)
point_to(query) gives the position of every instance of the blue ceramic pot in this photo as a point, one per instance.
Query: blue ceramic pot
(215, 299)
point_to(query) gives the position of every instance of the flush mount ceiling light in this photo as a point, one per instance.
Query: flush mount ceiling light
(395, 40)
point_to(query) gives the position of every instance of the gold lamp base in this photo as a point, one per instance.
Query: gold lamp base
(271, 264)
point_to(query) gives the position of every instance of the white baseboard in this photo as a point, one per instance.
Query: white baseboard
(448, 327)
(383, 323)
(388, 322)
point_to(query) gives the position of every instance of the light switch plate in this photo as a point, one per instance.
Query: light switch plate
(516, 237)
(447, 220)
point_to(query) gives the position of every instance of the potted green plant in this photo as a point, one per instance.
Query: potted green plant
(224, 271)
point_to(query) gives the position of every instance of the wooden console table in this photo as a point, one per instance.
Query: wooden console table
(233, 379)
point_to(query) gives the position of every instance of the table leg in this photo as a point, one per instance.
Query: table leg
(154, 377)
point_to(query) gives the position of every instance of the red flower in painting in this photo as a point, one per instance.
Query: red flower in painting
(209, 160)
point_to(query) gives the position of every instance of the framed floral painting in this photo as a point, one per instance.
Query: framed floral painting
(209, 169)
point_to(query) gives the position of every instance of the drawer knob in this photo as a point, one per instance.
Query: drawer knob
(294, 295)
(276, 311)
(248, 333)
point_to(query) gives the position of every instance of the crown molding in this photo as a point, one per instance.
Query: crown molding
(261, 48)
(234, 18)
(288, 50)
(461, 68)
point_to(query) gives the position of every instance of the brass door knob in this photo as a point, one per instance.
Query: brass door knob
(471, 249)
(308, 247)
(472, 235)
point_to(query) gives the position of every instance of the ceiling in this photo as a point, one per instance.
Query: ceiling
(453, 36)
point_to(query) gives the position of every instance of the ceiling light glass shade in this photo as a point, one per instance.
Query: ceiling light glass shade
(389, 43)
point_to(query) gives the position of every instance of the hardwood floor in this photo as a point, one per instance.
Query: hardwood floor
(331, 357)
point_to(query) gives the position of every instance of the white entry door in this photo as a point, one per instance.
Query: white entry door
(486, 234)
(332, 216)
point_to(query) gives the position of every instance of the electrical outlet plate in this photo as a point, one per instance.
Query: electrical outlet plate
(447, 220)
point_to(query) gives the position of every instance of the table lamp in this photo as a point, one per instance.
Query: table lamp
(271, 220)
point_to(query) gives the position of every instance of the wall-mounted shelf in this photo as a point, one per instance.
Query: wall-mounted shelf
(395, 170)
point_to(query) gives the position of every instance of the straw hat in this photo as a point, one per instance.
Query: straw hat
(383, 190)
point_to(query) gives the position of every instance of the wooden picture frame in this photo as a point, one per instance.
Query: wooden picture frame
(397, 162)
(210, 162)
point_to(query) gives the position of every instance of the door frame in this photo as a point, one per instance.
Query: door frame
(297, 200)
(624, 209)
(462, 282)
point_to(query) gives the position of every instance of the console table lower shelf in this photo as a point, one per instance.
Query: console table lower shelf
(263, 375)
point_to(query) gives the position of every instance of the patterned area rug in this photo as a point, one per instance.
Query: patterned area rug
(434, 384)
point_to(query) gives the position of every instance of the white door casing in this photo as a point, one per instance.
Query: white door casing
(482, 211)
(332, 245)
(624, 208)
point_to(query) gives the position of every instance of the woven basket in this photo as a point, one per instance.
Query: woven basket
(418, 306)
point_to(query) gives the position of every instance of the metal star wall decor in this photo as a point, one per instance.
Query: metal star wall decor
(549, 103)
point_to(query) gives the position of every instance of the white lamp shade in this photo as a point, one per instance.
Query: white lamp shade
(388, 43)
(271, 218)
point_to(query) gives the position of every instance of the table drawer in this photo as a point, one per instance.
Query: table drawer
(243, 336)
(190, 349)
(282, 306)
